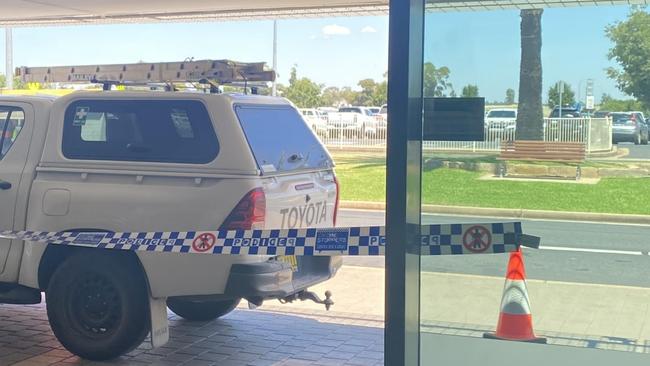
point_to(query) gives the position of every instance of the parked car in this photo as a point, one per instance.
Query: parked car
(601, 114)
(567, 112)
(374, 110)
(382, 120)
(349, 121)
(500, 121)
(316, 120)
(630, 127)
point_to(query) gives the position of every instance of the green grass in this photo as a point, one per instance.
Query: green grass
(363, 178)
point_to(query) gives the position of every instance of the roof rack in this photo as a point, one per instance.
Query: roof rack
(211, 72)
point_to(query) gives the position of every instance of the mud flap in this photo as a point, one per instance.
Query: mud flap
(159, 322)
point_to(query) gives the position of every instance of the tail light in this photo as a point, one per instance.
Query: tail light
(249, 212)
(338, 196)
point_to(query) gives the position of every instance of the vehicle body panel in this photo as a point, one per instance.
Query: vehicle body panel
(61, 194)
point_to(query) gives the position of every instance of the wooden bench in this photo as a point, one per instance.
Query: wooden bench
(569, 152)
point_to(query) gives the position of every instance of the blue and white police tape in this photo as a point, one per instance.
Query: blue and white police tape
(368, 240)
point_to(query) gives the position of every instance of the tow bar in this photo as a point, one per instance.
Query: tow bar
(308, 295)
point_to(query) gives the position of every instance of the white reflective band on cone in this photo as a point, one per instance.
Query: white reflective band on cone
(515, 298)
(449, 239)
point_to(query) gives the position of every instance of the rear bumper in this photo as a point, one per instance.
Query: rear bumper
(275, 279)
(624, 135)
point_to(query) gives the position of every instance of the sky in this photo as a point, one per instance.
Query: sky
(479, 47)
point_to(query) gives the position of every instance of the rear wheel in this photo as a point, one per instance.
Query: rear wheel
(637, 139)
(201, 310)
(97, 304)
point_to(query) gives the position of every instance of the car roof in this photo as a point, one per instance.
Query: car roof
(233, 98)
(27, 97)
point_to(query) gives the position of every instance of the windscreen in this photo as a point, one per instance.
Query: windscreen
(280, 139)
(502, 114)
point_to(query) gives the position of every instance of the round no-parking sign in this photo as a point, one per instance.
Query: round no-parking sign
(204, 242)
(477, 239)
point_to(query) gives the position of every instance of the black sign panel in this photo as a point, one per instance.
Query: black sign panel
(454, 119)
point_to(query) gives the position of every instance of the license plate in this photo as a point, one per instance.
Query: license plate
(291, 259)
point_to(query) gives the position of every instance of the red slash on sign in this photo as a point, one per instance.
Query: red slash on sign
(204, 242)
(477, 239)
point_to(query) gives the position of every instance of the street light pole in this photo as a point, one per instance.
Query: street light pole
(274, 91)
(9, 58)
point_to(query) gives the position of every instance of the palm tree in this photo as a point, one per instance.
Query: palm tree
(530, 115)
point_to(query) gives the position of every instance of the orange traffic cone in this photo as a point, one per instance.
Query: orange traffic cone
(515, 319)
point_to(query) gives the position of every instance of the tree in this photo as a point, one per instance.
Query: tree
(18, 83)
(530, 113)
(631, 51)
(568, 96)
(436, 80)
(469, 91)
(303, 92)
(372, 93)
(510, 96)
(348, 95)
(331, 97)
(607, 103)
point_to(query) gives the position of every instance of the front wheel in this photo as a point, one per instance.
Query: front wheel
(201, 310)
(97, 304)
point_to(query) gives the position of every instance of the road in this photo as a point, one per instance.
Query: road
(636, 151)
(613, 254)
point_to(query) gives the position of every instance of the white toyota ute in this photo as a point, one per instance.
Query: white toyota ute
(155, 161)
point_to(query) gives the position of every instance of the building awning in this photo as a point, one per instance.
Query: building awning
(25, 13)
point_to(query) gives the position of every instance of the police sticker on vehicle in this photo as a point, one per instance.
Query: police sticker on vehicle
(89, 238)
(332, 240)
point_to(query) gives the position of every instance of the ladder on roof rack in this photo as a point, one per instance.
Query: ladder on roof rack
(201, 71)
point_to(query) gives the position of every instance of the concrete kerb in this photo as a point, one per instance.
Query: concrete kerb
(512, 213)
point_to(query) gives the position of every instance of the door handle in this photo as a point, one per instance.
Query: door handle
(4, 185)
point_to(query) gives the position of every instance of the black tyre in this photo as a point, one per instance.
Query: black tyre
(637, 139)
(201, 310)
(97, 304)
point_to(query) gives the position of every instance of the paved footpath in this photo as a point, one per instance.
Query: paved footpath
(244, 337)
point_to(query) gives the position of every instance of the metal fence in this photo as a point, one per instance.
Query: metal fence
(596, 133)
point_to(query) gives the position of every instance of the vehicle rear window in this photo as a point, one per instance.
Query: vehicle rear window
(165, 131)
(350, 110)
(620, 118)
(280, 140)
(502, 114)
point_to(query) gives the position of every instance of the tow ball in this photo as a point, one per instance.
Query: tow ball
(308, 295)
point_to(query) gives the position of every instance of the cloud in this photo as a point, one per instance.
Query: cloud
(368, 29)
(335, 30)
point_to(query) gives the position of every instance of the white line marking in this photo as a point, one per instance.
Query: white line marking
(522, 219)
(589, 250)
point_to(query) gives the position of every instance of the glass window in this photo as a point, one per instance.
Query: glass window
(502, 114)
(585, 290)
(266, 126)
(11, 123)
(166, 131)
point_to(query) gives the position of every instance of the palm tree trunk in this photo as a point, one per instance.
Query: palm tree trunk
(530, 114)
